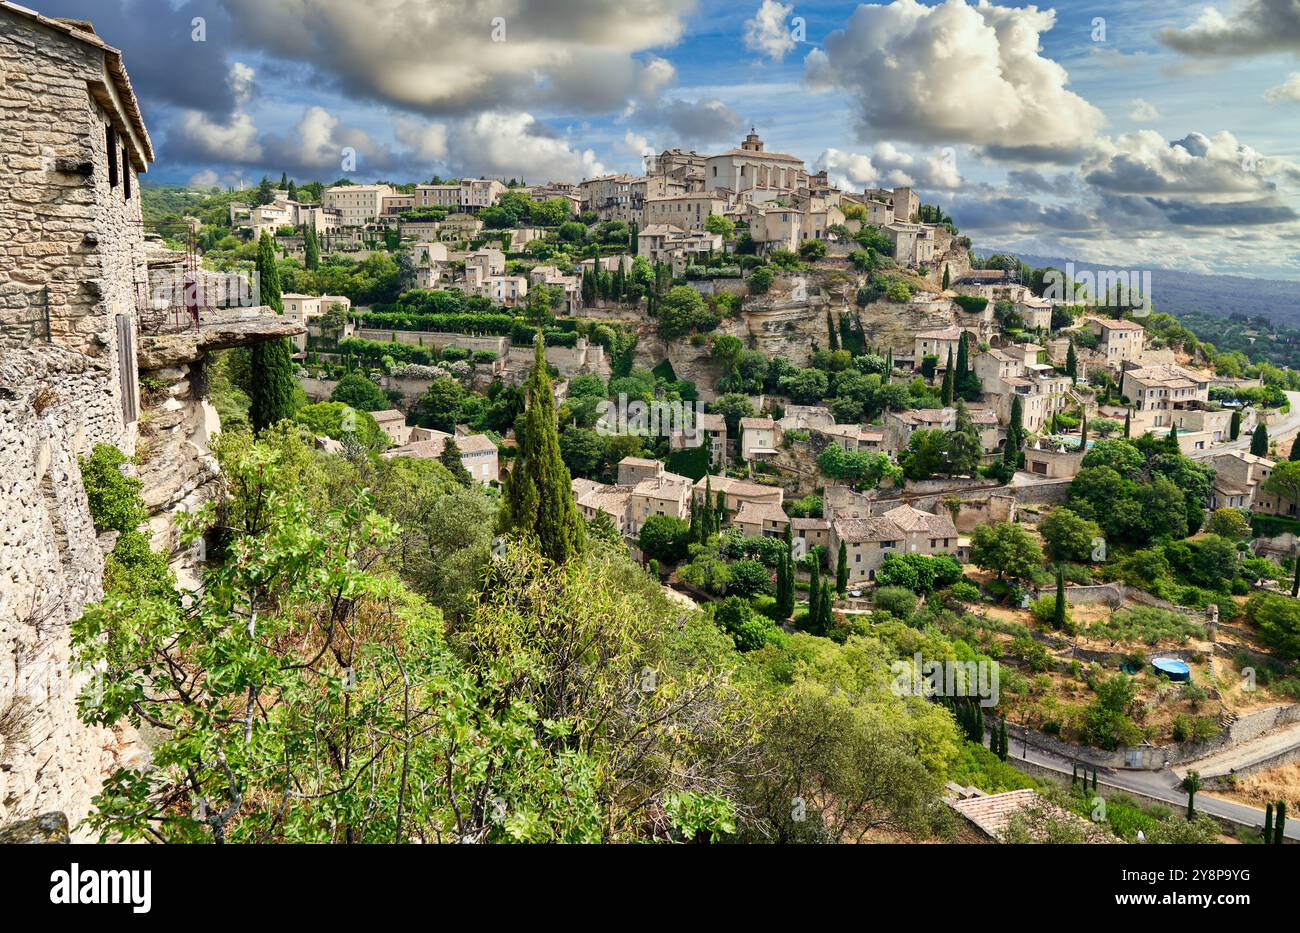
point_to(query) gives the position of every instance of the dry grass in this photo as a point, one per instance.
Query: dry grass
(1265, 787)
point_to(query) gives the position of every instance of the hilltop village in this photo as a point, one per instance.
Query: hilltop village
(590, 466)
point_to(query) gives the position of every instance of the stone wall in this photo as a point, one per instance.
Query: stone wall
(51, 565)
(432, 339)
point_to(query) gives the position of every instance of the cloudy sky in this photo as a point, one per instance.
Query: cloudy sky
(1116, 131)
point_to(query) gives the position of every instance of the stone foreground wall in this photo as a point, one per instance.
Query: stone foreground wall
(51, 566)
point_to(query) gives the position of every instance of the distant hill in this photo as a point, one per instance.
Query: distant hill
(1176, 292)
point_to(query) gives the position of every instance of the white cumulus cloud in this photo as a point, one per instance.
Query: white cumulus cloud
(956, 73)
(767, 32)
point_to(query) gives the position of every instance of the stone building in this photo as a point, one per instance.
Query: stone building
(901, 530)
(74, 281)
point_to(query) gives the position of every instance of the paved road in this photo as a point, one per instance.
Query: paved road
(1163, 785)
(1266, 746)
(1288, 423)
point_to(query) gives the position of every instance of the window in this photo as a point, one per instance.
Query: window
(110, 147)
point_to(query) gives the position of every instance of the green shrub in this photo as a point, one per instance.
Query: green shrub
(114, 497)
(896, 600)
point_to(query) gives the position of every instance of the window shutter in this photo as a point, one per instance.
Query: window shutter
(127, 374)
(110, 147)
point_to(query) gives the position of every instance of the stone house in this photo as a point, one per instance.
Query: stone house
(1165, 388)
(813, 531)
(677, 247)
(913, 243)
(306, 308)
(393, 423)
(736, 492)
(761, 519)
(663, 494)
(631, 470)
(478, 454)
(1238, 479)
(593, 497)
(1118, 342)
(711, 431)
(687, 211)
(937, 343)
(759, 437)
(356, 205)
(901, 530)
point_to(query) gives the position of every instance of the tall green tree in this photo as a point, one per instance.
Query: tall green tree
(814, 600)
(1234, 427)
(271, 382)
(1259, 441)
(310, 248)
(842, 570)
(945, 394)
(538, 503)
(1128, 423)
(1059, 615)
(1071, 362)
(450, 458)
(1011, 448)
(1191, 784)
(1295, 449)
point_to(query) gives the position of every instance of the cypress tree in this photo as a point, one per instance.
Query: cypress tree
(889, 364)
(979, 723)
(1058, 617)
(271, 362)
(1003, 748)
(814, 598)
(785, 585)
(1083, 431)
(963, 359)
(1295, 449)
(310, 247)
(1128, 422)
(1173, 434)
(1011, 448)
(824, 615)
(1295, 583)
(706, 510)
(946, 279)
(947, 391)
(1259, 441)
(842, 570)
(1268, 822)
(1279, 823)
(1234, 428)
(1071, 362)
(450, 458)
(695, 533)
(833, 340)
(538, 501)
(1094, 779)
(1074, 773)
(719, 511)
